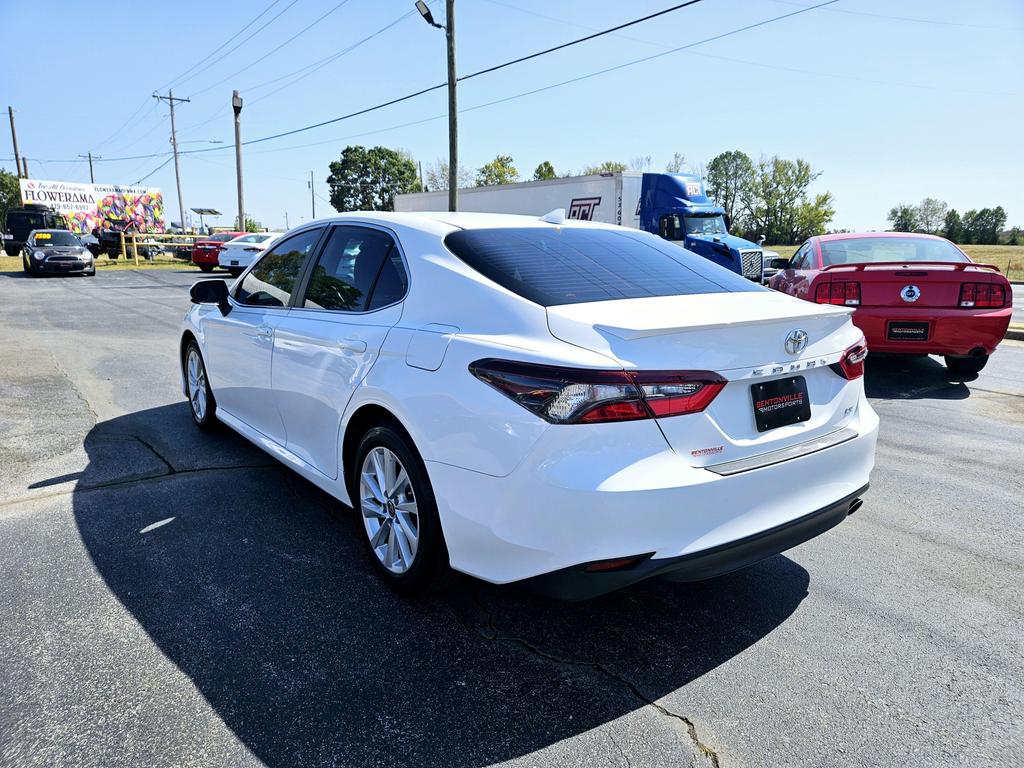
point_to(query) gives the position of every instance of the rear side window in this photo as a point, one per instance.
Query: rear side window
(552, 266)
(271, 281)
(358, 270)
(865, 250)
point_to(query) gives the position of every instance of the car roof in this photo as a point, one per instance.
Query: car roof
(37, 231)
(859, 235)
(443, 222)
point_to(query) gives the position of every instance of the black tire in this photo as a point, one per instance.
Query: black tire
(235, 271)
(429, 570)
(206, 267)
(206, 419)
(11, 251)
(966, 366)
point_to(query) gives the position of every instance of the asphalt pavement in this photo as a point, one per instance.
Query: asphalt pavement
(172, 598)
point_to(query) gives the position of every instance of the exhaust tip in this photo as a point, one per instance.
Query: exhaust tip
(855, 505)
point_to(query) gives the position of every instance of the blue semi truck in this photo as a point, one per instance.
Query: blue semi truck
(674, 206)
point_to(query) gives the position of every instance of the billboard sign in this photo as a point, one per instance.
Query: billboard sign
(91, 206)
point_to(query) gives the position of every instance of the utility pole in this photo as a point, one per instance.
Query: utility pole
(236, 104)
(92, 179)
(312, 195)
(14, 138)
(24, 166)
(453, 109)
(170, 99)
(286, 225)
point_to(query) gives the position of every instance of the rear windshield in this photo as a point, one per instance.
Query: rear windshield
(864, 250)
(222, 237)
(552, 266)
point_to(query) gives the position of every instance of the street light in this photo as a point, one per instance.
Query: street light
(453, 111)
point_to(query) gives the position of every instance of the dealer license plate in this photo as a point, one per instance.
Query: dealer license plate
(780, 402)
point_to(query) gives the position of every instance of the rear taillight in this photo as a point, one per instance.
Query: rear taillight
(250, 249)
(977, 295)
(845, 293)
(851, 364)
(581, 396)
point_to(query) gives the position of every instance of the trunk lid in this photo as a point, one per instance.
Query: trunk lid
(921, 284)
(740, 336)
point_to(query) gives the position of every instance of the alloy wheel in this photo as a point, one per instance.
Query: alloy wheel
(196, 376)
(388, 506)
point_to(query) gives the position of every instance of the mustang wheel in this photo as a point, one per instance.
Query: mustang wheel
(399, 514)
(200, 396)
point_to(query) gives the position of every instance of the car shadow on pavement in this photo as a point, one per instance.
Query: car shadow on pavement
(255, 585)
(907, 377)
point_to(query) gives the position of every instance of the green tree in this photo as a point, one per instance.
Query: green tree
(730, 176)
(776, 204)
(677, 164)
(952, 227)
(368, 179)
(544, 171)
(903, 217)
(10, 193)
(251, 225)
(1014, 238)
(608, 166)
(931, 213)
(501, 170)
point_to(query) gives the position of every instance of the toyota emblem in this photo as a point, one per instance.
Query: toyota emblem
(910, 293)
(796, 341)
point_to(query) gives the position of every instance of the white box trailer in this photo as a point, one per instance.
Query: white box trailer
(674, 206)
(613, 198)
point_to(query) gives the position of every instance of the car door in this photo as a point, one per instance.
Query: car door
(332, 336)
(794, 279)
(240, 344)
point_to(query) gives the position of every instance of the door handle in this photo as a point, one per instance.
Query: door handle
(263, 333)
(352, 345)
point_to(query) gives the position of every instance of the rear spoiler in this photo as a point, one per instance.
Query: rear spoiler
(958, 266)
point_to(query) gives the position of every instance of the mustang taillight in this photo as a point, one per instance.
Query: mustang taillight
(851, 364)
(987, 295)
(581, 396)
(845, 293)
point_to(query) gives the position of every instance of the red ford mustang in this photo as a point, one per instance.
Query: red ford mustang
(911, 294)
(205, 252)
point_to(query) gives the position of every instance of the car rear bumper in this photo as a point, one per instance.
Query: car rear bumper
(578, 583)
(950, 331)
(576, 501)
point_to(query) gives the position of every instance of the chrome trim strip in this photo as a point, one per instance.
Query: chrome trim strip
(783, 454)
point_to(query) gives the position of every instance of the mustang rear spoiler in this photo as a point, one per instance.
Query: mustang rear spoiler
(958, 266)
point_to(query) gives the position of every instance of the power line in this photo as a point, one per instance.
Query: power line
(216, 50)
(596, 73)
(165, 162)
(264, 56)
(240, 44)
(911, 18)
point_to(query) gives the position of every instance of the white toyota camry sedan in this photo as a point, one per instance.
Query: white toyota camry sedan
(571, 405)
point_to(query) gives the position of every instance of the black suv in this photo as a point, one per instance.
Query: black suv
(21, 221)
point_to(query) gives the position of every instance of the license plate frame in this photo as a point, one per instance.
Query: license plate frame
(907, 330)
(780, 402)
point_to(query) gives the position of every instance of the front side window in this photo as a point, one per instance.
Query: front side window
(566, 265)
(272, 280)
(359, 270)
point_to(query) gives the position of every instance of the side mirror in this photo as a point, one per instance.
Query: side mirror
(779, 263)
(210, 292)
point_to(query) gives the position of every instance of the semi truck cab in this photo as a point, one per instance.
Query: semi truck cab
(675, 206)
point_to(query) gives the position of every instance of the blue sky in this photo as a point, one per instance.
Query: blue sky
(892, 101)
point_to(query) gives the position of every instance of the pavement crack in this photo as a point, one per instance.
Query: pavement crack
(622, 754)
(489, 631)
(74, 388)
